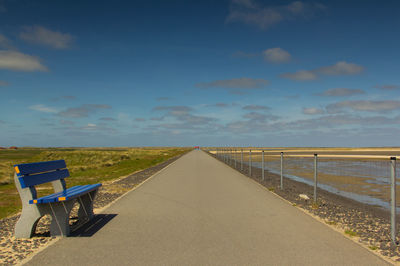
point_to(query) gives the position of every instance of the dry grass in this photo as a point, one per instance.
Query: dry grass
(86, 166)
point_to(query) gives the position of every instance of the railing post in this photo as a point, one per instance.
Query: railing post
(241, 160)
(393, 199)
(315, 177)
(262, 164)
(250, 163)
(235, 158)
(281, 170)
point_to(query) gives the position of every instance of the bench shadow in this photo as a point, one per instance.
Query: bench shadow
(93, 226)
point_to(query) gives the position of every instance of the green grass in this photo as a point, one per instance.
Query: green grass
(350, 233)
(86, 166)
(373, 247)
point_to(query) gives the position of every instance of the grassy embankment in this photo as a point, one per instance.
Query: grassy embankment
(86, 166)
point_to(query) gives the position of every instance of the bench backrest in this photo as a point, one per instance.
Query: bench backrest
(31, 174)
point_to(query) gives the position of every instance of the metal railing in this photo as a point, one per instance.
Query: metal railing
(369, 179)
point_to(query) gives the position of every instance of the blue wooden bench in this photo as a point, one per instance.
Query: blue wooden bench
(58, 205)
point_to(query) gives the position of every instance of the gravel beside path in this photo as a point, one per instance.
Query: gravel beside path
(13, 251)
(369, 225)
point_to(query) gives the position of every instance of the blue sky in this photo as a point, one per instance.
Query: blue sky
(209, 73)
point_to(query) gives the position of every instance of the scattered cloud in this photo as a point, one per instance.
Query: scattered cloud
(340, 68)
(367, 106)
(174, 110)
(313, 111)
(83, 110)
(220, 105)
(254, 107)
(254, 122)
(90, 126)
(239, 83)
(5, 43)
(13, 60)
(387, 87)
(43, 36)
(184, 119)
(276, 55)
(157, 118)
(301, 75)
(259, 117)
(235, 86)
(252, 13)
(139, 119)
(66, 122)
(107, 119)
(341, 92)
(332, 121)
(3, 83)
(42, 108)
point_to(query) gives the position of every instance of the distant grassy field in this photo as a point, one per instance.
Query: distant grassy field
(86, 166)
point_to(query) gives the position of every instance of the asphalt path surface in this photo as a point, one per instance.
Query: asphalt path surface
(199, 211)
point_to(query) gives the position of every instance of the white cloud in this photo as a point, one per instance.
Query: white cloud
(251, 13)
(387, 87)
(368, 106)
(342, 92)
(42, 108)
(107, 119)
(254, 107)
(276, 55)
(302, 75)
(313, 111)
(235, 86)
(340, 68)
(83, 110)
(17, 61)
(42, 36)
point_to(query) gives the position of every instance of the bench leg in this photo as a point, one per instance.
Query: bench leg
(26, 225)
(60, 217)
(86, 206)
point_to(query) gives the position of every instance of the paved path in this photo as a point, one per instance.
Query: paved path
(199, 211)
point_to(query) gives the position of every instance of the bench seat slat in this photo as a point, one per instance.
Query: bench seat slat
(52, 197)
(68, 194)
(32, 180)
(31, 168)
